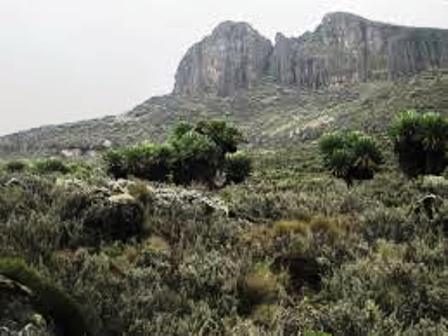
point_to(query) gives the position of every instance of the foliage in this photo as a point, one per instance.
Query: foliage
(50, 300)
(52, 165)
(420, 141)
(351, 155)
(237, 167)
(16, 166)
(288, 252)
(192, 153)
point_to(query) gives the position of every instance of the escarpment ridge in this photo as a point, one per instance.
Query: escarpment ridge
(343, 48)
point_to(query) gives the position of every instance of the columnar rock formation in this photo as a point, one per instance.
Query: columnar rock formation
(233, 57)
(343, 48)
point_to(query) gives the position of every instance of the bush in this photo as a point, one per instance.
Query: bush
(192, 153)
(197, 158)
(119, 218)
(16, 166)
(50, 300)
(237, 168)
(257, 287)
(47, 166)
(115, 162)
(351, 155)
(420, 141)
(149, 161)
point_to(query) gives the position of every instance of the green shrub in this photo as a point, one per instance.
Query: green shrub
(351, 155)
(238, 168)
(53, 165)
(51, 301)
(115, 162)
(420, 141)
(192, 153)
(197, 158)
(149, 161)
(16, 166)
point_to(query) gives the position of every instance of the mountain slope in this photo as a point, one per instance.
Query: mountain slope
(269, 114)
(350, 72)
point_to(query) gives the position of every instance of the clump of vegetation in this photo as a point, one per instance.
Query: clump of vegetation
(261, 286)
(50, 300)
(16, 166)
(146, 161)
(192, 153)
(289, 252)
(420, 141)
(237, 167)
(351, 155)
(52, 165)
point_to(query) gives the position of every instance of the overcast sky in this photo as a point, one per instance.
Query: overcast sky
(67, 60)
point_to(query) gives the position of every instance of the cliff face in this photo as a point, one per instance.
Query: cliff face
(343, 48)
(233, 57)
(347, 48)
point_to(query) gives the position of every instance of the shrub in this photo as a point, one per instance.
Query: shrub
(197, 158)
(47, 166)
(119, 218)
(350, 155)
(227, 138)
(259, 286)
(237, 168)
(147, 161)
(50, 300)
(192, 153)
(420, 141)
(116, 164)
(291, 226)
(16, 166)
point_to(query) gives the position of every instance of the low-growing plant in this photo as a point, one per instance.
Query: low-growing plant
(16, 166)
(52, 302)
(259, 286)
(52, 165)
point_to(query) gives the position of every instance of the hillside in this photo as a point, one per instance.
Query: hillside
(349, 72)
(269, 114)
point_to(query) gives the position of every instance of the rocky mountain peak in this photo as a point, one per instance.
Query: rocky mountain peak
(232, 58)
(233, 28)
(336, 17)
(343, 48)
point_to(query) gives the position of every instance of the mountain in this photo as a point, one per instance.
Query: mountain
(344, 48)
(349, 72)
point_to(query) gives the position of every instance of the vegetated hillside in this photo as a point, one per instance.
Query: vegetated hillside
(269, 114)
(292, 251)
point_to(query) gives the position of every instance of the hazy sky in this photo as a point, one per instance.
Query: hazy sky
(66, 60)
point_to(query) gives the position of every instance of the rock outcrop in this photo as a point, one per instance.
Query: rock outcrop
(232, 58)
(347, 48)
(343, 48)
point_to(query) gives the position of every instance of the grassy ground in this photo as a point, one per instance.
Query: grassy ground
(290, 252)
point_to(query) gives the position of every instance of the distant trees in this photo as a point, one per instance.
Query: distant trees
(350, 155)
(420, 142)
(191, 153)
